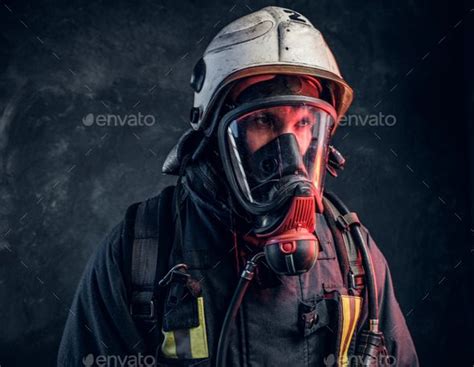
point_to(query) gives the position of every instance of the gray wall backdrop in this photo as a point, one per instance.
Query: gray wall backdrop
(64, 183)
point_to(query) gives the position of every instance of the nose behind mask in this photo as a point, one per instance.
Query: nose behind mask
(276, 159)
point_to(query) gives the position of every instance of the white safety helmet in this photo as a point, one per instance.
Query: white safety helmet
(272, 40)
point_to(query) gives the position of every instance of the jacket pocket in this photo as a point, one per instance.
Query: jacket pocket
(185, 334)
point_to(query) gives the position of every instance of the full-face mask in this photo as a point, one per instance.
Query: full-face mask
(274, 148)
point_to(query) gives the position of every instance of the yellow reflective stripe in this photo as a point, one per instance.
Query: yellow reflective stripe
(198, 334)
(357, 305)
(195, 337)
(351, 307)
(168, 348)
(346, 314)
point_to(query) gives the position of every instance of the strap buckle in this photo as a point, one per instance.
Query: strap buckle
(354, 285)
(143, 310)
(352, 281)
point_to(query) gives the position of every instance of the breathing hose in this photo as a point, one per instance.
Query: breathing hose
(239, 293)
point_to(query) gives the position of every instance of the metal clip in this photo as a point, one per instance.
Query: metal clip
(174, 273)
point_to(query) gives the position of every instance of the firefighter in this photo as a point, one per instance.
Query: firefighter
(246, 261)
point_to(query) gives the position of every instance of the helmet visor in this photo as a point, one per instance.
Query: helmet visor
(272, 147)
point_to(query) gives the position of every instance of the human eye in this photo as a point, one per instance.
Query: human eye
(262, 121)
(305, 122)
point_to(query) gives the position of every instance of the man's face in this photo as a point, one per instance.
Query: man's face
(277, 136)
(265, 125)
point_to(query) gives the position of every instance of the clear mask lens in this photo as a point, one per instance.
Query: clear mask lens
(273, 148)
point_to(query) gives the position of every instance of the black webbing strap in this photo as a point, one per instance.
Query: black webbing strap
(355, 275)
(345, 221)
(339, 242)
(152, 241)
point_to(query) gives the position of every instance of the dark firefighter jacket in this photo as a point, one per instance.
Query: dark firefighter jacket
(270, 329)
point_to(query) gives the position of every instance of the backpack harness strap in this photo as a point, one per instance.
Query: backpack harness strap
(152, 238)
(351, 257)
(144, 261)
(356, 273)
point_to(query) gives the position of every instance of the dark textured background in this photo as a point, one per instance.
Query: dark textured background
(64, 185)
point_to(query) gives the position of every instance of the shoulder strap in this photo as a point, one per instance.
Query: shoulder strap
(152, 241)
(351, 259)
